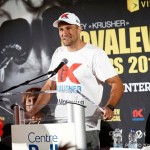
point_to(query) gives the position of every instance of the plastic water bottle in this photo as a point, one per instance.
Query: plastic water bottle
(132, 139)
(117, 137)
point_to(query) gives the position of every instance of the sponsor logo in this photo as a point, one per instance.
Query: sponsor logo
(136, 5)
(64, 16)
(36, 147)
(64, 102)
(34, 139)
(137, 114)
(140, 134)
(137, 87)
(68, 88)
(66, 72)
(116, 130)
(116, 116)
(133, 5)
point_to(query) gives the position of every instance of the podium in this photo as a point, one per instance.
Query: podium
(55, 125)
(49, 132)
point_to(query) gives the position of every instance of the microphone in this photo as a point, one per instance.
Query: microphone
(63, 62)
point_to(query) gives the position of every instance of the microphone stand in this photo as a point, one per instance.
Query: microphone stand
(28, 81)
(6, 110)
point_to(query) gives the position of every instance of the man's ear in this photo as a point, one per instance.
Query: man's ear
(81, 28)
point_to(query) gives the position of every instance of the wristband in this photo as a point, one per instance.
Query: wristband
(111, 107)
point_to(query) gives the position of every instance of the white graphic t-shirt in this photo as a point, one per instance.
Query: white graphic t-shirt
(79, 80)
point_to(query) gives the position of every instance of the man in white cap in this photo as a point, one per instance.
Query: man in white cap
(88, 66)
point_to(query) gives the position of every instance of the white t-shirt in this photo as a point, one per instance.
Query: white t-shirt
(85, 68)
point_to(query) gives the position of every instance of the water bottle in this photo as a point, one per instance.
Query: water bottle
(132, 139)
(117, 137)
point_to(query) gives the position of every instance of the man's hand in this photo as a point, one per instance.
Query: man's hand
(108, 113)
(28, 115)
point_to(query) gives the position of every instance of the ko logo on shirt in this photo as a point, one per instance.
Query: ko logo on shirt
(65, 72)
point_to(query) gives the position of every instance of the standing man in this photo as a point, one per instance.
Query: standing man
(88, 66)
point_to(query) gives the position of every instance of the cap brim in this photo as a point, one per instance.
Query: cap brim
(55, 24)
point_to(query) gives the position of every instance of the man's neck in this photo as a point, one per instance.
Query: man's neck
(76, 47)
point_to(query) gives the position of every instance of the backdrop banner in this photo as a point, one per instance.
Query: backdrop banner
(120, 28)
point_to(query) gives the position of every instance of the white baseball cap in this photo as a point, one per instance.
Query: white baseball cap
(68, 17)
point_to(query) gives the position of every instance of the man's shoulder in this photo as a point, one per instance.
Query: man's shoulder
(94, 47)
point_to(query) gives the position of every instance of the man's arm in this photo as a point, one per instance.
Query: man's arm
(116, 92)
(43, 98)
